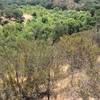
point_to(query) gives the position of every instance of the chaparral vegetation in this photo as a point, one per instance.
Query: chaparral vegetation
(49, 49)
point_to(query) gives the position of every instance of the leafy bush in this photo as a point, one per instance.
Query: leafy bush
(55, 23)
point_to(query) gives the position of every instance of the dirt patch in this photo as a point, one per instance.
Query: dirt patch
(27, 17)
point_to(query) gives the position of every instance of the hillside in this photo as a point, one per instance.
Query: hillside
(49, 49)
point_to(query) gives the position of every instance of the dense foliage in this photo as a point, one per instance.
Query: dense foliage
(51, 23)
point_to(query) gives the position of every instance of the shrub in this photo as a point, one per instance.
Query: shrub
(80, 50)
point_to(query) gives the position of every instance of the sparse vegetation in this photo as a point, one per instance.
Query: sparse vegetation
(45, 44)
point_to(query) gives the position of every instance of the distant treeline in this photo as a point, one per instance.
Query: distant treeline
(64, 4)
